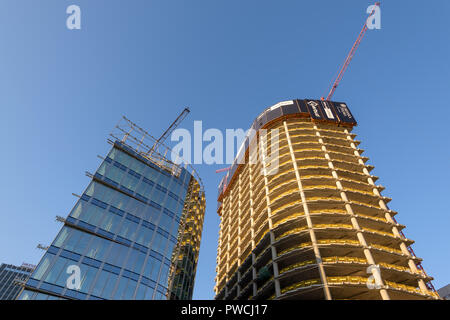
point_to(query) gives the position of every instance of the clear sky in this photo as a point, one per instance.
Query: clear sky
(62, 91)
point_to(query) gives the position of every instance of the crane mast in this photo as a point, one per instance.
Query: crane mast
(349, 56)
(169, 130)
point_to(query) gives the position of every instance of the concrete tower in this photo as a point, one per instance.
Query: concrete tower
(307, 221)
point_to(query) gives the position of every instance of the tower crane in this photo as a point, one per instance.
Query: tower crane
(333, 89)
(169, 130)
(350, 55)
(343, 68)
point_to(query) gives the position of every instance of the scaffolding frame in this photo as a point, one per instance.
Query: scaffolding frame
(149, 147)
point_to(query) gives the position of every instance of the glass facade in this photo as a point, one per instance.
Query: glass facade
(126, 233)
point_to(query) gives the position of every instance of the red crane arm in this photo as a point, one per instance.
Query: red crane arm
(223, 170)
(350, 56)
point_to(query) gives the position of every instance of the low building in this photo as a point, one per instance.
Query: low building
(444, 292)
(10, 276)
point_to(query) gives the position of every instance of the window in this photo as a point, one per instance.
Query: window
(120, 200)
(113, 153)
(87, 212)
(90, 189)
(159, 296)
(151, 214)
(173, 205)
(152, 174)
(61, 238)
(121, 288)
(82, 243)
(165, 222)
(176, 188)
(131, 206)
(111, 222)
(102, 169)
(77, 209)
(100, 283)
(122, 158)
(155, 271)
(26, 295)
(130, 182)
(100, 192)
(98, 248)
(158, 196)
(129, 292)
(93, 214)
(139, 262)
(182, 194)
(128, 229)
(163, 279)
(152, 268)
(117, 255)
(170, 247)
(140, 294)
(137, 166)
(41, 296)
(107, 291)
(43, 266)
(144, 236)
(139, 209)
(164, 180)
(88, 276)
(159, 243)
(131, 259)
(72, 240)
(58, 268)
(144, 189)
(149, 293)
(114, 173)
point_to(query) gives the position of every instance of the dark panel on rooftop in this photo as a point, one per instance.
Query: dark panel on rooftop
(343, 113)
(315, 109)
(328, 111)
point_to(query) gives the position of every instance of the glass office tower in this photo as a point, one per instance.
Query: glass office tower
(134, 233)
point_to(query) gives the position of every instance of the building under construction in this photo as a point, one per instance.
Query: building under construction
(315, 225)
(134, 233)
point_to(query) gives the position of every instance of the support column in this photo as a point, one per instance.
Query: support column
(376, 272)
(411, 263)
(312, 235)
(254, 275)
(228, 256)
(239, 232)
(403, 247)
(252, 230)
(275, 265)
(269, 213)
(252, 219)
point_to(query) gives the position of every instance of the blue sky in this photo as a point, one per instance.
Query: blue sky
(62, 91)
